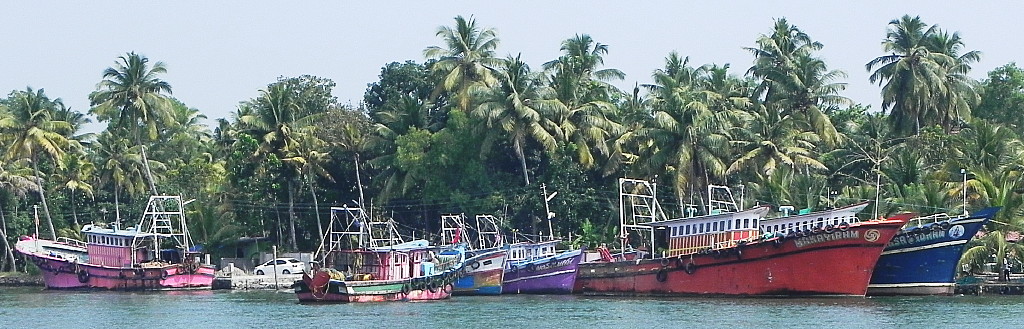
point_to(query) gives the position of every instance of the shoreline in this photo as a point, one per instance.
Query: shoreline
(17, 279)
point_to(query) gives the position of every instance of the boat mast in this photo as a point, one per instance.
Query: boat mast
(547, 210)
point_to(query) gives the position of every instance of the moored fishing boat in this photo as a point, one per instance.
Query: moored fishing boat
(368, 262)
(922, 258)
(157, 257)
(485, 259)
(536, 268)
(733, 252)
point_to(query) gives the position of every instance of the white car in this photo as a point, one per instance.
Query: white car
(284, 266)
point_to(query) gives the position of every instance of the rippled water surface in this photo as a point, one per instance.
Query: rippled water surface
(37, 308)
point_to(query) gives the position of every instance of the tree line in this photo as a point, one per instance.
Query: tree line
(465, 130)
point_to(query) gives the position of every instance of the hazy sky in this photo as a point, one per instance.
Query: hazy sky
(220, 53)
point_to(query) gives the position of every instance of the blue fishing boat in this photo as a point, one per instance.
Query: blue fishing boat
(485, 260)
(922, 258)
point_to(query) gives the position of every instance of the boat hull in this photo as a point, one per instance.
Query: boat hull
(553, 275)
(922, 260)
(337, 291)
(836, 263)
(61, 273)
(484, 274)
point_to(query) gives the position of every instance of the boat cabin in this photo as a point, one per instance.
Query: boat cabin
(526, 251)
(112, 247)
(719, 231)
(404, 261)
(810, 221)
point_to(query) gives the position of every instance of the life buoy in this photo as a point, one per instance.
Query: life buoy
(531, 267)
(828, 229)
(163, 274)
(664, 262)
(475, 265)
(945, 225)
(83, 276)
(432, 286)
(844, 226)
(690, 268)
(662, 275)
(406, 288)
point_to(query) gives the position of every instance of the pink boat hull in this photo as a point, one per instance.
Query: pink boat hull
(61, 273)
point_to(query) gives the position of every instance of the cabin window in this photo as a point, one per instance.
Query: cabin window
(714, 226)
(687, 229)
(723, 224)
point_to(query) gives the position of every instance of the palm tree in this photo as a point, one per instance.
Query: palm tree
(277, 120)
(519, 108)
(19, 182)
(582, 87)
(688, 133)
(119, 165)
(960, 95)
(576, 76)
(131, 96)
(31, 131)
(310, 162)
(772, 140)
(75, 175)
(795, 81)
(466, 58)
(911, 75)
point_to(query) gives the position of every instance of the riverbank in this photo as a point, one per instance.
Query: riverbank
(18, 279)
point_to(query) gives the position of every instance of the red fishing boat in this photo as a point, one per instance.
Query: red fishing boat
(733, 252)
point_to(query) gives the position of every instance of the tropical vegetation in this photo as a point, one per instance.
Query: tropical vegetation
(466, 130)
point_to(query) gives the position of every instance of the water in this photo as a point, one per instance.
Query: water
(36, 308)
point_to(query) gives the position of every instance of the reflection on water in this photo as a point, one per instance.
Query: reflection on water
(34, 307)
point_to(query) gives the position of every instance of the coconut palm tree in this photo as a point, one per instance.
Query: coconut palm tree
(687, 137)
(956, 103)
(518, 109)
(31, 132)
(120, 165)
(795, 81)
(75, 176)
(132, 96)
(279, 122)
(311, 162)
(582, 86)
(770, 139)
(19, 182)
(466, 58)
(911, 75)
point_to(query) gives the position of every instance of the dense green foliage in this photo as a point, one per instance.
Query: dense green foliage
(470, 132)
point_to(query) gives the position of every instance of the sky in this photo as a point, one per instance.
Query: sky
(219, 53)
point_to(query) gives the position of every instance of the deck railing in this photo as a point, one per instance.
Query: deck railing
(71, 242)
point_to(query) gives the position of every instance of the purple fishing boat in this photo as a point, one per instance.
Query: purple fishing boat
(535, 268)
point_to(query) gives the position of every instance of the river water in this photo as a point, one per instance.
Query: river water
(33, 307)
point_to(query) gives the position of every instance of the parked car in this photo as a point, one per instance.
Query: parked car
(284, 266)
